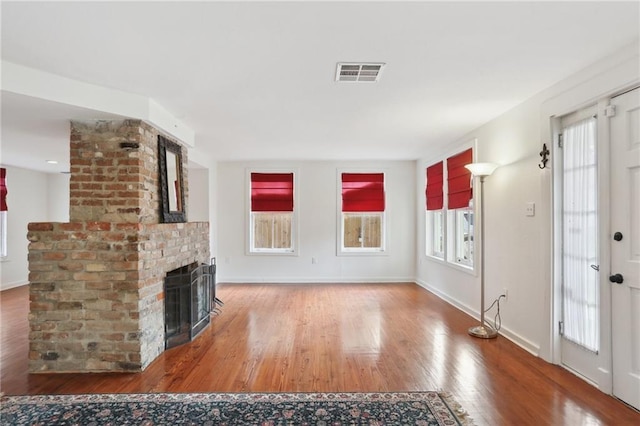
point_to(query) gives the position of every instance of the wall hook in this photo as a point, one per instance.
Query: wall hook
(544, 154)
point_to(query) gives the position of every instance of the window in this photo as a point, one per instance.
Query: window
(459, 196)
(362, 230)
(435, 232)
(434, 195)
(464, 236)
(3, 234)
(450, 224)
(271, 231)
(363, 206)
(272, 213)
(580, 286)
(3, 212)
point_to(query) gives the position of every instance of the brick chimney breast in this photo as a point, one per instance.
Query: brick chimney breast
(96, 283)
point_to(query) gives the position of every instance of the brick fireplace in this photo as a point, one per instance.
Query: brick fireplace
(96, 282)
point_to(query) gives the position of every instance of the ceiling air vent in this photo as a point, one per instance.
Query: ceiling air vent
(358, 73)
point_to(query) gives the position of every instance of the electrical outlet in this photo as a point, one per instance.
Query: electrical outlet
(530, 209)
(314, 260)
(505, 292)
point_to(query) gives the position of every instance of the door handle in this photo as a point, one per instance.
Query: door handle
(616, 278)
(595, 267)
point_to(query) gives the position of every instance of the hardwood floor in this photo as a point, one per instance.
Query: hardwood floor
(348, 337)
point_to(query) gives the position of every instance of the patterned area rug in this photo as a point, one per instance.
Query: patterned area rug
(264, 409)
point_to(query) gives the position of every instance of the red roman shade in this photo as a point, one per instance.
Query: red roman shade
(435, 181)
(3, 189)
(362, 192)
(459, 180)
(271, 192)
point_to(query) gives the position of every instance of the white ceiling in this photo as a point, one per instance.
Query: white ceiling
(256, 80)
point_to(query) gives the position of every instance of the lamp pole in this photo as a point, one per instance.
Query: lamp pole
(483, 330)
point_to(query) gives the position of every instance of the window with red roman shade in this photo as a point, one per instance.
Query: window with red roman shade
(271, 192)
(459, 180)
(3, 189)
(362, 192)
(434, 192)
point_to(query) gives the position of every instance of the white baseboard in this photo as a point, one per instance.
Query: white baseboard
(312, 280)
(524, 343)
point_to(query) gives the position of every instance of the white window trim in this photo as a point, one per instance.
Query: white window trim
(294, 251)
(342, 251)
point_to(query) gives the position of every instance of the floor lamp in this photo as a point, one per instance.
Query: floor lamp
(482, 170)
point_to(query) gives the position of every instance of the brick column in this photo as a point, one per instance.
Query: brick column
(112, 184)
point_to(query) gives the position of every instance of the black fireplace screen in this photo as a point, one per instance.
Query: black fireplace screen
(188, 295)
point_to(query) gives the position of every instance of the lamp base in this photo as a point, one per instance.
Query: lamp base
(483, 332)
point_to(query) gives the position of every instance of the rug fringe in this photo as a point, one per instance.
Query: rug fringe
(456, 408)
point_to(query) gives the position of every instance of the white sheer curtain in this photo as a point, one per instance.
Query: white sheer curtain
(580, 235)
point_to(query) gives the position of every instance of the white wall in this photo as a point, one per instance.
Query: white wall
(58, 197)
(519, 248)
(198, 202)
(317, 206)
(202, 200)
(33, 197)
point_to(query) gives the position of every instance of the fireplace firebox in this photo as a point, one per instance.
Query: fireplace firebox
(188, 294)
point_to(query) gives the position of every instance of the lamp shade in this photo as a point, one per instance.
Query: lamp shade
(481, 169)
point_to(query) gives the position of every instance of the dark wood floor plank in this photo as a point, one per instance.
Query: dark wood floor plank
(337, 337)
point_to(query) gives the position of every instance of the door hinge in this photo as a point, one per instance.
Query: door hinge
(560, 140)
(610, 111)
(561, 328)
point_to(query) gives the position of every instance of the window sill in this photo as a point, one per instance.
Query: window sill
(466, 269)
(439, 259)
(272, 253)
(362, 253)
